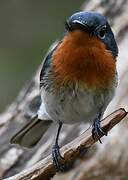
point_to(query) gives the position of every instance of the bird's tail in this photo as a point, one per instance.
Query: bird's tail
(31, 133)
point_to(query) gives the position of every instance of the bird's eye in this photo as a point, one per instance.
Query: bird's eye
(102, 33)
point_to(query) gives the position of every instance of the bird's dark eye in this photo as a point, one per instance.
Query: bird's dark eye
(102, 33)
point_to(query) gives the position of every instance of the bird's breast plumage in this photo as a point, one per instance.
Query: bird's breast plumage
(84, 59)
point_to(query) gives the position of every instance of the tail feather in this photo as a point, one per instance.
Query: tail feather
(31, 133)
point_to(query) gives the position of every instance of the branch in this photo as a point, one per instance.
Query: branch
(45, 169)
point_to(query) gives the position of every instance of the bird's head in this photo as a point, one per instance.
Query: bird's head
(88, 51)
(96, 25)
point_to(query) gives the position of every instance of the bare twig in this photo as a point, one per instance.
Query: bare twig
(45, 169)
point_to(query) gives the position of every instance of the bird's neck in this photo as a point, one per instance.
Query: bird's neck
(83, 59)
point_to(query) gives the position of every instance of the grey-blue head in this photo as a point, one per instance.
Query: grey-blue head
(96, 24)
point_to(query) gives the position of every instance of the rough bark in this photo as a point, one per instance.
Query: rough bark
(103, 161)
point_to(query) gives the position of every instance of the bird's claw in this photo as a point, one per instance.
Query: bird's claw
(56, 156)
(97, 131)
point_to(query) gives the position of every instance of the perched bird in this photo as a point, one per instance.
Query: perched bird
(77, 80)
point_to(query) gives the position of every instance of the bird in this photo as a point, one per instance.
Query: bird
(78, 80)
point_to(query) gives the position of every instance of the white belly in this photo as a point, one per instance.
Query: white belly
(75, 106)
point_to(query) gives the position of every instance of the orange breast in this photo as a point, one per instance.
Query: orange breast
(84, 59)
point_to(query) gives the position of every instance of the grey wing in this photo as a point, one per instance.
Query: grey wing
(44, 82)
(47, 62)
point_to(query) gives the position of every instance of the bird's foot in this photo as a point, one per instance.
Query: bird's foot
(97, 131)
(56, 156)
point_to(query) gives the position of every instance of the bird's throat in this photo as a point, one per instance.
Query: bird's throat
(84, 59)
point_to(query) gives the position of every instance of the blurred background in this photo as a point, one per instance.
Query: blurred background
(27, 29)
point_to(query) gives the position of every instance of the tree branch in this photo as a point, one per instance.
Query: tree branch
(45, 169)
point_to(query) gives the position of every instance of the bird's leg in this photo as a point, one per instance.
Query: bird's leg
(97, 130)
(56, 150)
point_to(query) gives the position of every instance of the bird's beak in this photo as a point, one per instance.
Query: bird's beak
(76, 24)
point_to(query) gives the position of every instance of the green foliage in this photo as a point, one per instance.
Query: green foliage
(126, 178)
(27, 29)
